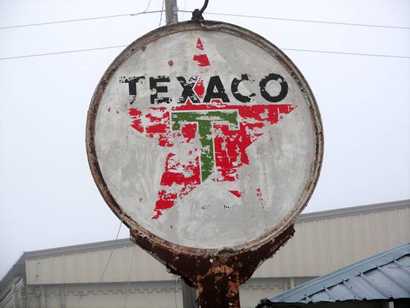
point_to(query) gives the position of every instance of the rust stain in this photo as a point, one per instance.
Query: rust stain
(216, 275)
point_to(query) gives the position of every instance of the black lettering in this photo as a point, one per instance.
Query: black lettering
(132, 85)
(187, 91)
(156, 88)
(283, 88)
(235, 92)
(215, 83)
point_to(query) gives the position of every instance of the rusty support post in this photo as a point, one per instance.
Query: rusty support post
(219, 288)
(216, 276)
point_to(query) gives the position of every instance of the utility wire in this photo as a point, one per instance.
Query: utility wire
(148, 5)
(64, 21)
(110, 255)
(122, 46)
(305, 20)
(162, 10)
(108, 260)
(54, 53)
(345, 53)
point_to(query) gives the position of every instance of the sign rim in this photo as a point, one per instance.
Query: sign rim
(139, 43)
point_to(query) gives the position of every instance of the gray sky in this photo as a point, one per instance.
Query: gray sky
(47, 195)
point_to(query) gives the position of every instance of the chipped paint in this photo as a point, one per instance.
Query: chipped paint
(210, 154)
(224, 133)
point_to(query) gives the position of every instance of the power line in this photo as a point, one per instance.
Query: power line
(66, 21)
(305, 20)
(346, 53)
(110, 255)
(122, 46)
(54, 53)
(108, 260)
(162, 10)
(148, 5)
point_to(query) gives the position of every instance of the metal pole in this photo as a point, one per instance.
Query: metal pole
(188, 293)
(171, 11)
(219, 289)
(188, 296)
(216, 295)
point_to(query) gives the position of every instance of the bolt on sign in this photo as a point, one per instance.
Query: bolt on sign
(206, 141)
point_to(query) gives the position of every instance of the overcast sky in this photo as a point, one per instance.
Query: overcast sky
(47, 195)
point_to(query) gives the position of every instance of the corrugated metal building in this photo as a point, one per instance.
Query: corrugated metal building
(119, 274)
(373, 282)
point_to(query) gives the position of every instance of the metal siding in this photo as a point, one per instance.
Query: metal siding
(322, 246)
(108, 295)
(129, 263)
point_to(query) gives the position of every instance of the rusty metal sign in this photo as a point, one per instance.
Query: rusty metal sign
(206, 141)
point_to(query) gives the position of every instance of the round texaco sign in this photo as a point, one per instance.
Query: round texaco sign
(204, 135)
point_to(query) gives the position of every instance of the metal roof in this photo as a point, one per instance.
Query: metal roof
(385, 276)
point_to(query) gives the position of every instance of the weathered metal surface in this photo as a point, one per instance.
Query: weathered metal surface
(385, 276)
(206, 141)
(216, 274)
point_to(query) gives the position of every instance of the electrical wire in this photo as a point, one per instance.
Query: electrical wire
(160, 18)
(346, 53)
(305, 20)
(110, 255)
(54, 53)
(122, 46)
(148, 5)
(226, 14)
(107, 263)
(66, 21)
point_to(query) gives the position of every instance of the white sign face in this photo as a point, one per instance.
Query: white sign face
(205, 138)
